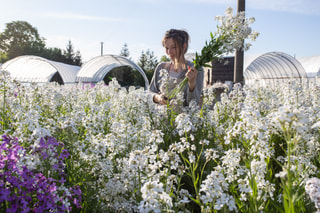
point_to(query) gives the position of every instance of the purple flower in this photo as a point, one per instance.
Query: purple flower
(44, 155)
(4, 193)
(23, 190)
(64, 154)
(13, 209)
(62, 180)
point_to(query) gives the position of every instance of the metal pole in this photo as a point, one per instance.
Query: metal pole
(239, 54)
(101, 48)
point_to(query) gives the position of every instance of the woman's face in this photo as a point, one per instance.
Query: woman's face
(171, 49)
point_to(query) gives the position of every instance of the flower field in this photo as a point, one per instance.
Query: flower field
(107, 149)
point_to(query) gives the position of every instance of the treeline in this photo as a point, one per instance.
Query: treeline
(21, 38)
(127, 76)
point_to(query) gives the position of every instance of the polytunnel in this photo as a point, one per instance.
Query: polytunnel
(97, 68)
(311, 64)
(28, 68)
(273, 68)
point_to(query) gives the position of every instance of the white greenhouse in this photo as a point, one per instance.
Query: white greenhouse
(28, 69)
(97, 68)
(272, 68)
(311, 65)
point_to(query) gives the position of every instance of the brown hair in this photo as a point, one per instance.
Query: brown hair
(180, 37)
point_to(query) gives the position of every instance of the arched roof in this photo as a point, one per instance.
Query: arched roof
(96, 69)
(40, 70)
(272, 68)
(311, 65)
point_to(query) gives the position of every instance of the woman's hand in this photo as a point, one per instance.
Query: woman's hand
(192, 76)
(160, 99)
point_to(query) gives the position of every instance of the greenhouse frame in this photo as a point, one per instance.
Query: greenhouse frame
(268, 69)
(97, 68)
(273, 68)
(28, 69)
(311, 65)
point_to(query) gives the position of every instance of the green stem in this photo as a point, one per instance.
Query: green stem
(4, 117)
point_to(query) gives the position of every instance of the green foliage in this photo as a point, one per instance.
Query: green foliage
(164, 58)
(124, 76)
(21, 38)
(119, 142)
(148, 62)
(3, 57)
(125, 51)
(210, 51)
(71, 57)
(127, 76)
(138, 79)
(55, 54)
(5, 116)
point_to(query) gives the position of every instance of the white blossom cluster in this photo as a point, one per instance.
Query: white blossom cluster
(167, 82)
(214, 190)
(313, 190)
(235, 29)
(132, 156)
(155, 199)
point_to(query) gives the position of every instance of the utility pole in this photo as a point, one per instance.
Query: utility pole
(239, 54)
(101, 48)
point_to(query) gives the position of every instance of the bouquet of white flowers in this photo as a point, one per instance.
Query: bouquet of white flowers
(231, 35)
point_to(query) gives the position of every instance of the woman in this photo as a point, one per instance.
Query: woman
(168, 74)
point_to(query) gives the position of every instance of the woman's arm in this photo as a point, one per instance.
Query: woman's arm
(154, 87)
(195, 84)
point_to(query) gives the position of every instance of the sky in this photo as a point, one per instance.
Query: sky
(288, 26)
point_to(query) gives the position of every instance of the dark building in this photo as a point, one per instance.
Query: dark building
(220, 72)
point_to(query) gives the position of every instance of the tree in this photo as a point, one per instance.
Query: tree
(143, 61)
(69, 53)
(54, 54)
(3, 57)
(164, 58)
(20, 38)
(125, 51)
(67, 56)
(77, 59)
(148, 62)
(70, 56)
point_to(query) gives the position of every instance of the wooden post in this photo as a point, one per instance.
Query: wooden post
(239, 54)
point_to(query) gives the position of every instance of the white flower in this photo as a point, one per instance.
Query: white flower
(184, 124)
(138, 159)
(312, 188)
(192, 158)
(282, 174)
(316, 125)
(213, 189)
(154, 198)
(211, 154)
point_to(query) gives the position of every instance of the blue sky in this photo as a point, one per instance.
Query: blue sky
(289, 26)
